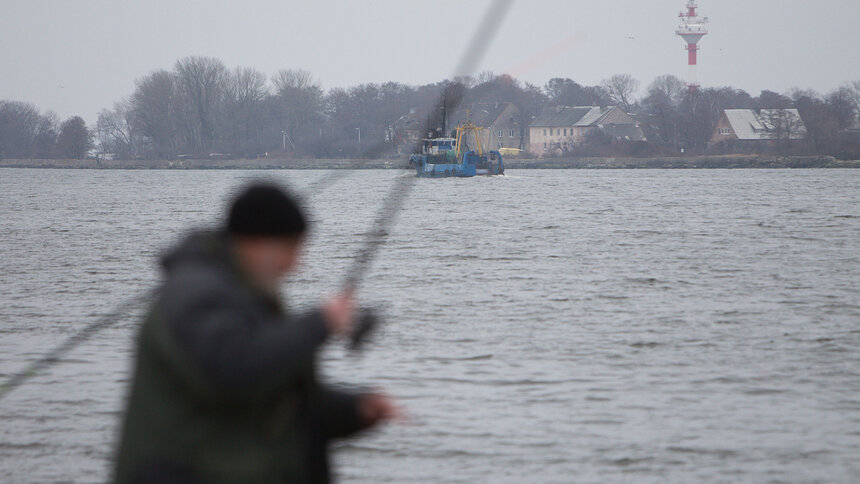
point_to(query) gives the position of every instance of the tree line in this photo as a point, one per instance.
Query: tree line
(27, 133)
(201, 108)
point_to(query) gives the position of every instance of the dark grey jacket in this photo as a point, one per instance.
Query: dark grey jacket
(225, 387)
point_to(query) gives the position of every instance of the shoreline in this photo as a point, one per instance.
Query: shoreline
(692, 162)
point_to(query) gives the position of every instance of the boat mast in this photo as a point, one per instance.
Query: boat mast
(444, 104)
(462, 132)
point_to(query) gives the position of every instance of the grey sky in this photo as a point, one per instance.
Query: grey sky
(81, 56)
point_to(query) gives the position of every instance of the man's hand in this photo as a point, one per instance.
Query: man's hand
(374, 408)
(339, 313)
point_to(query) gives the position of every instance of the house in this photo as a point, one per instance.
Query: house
(751, 125)
(562, 128)
(503, 126)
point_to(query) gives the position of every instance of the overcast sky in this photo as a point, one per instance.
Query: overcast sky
(81, 56)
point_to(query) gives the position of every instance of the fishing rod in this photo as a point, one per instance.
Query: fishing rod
(385, 218)
(399, 191)
(382, 224)
(324, 181)
(54, 356)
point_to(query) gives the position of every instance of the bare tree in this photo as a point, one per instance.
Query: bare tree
(827, 118)
(19, 122)
(664, 97)
(668, 89)
(773, 100)
(698, 115)
(203, 83)
(842, 103)
(24, 133)
(248, 86)
(299, 109)
(783, 125)
(116, 131)
(246, 92)
(467, 81)
(484, 77)
(293, 79)
(566, 92)
(155, 107)
(854, 88)
(45, 140)
(855, 92)
(621, 88)
(820, 124)
(75, 139)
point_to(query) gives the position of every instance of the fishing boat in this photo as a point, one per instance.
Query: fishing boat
(453, 157)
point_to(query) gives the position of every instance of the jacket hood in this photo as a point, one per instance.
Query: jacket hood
(211, 249)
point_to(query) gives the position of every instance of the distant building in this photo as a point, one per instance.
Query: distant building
(503, 126)
(751, 125)
(562, 128)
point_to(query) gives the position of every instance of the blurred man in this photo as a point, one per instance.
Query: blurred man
(225, 387)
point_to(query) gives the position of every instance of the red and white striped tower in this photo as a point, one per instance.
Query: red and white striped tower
(692, 29)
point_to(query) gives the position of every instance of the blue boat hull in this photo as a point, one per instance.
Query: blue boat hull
(428, 166)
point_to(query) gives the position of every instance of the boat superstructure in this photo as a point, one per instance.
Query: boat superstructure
(454, 157)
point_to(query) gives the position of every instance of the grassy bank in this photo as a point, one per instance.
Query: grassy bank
(692, 162)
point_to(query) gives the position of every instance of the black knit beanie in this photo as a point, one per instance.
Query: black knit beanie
(265, 209)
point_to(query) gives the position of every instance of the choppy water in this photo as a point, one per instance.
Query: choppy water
(545, 326)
